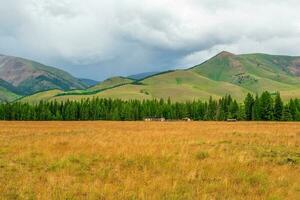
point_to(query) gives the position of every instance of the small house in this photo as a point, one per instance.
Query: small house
(160, 119)
(232, 120)
(186, 119)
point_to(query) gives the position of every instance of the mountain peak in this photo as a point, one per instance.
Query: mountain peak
(224, 54)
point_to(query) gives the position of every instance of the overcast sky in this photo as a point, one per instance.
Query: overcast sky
(101, 38)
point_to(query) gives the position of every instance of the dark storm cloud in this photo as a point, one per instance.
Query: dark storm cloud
(97, 39)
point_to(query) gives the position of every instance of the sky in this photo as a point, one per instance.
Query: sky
(98, 39)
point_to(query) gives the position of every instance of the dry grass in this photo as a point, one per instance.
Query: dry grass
(138, 160)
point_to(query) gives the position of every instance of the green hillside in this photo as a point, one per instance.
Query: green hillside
(255, 72)
(225, 73)
(100, 87)
(37, 97)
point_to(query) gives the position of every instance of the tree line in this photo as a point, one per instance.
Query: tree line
(265, 107)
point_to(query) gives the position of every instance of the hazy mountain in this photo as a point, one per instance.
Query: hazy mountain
(88, 82)
(225, 73)
(111, 82)
(142, 75)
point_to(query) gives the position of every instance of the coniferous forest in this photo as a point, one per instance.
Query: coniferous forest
(266, 107)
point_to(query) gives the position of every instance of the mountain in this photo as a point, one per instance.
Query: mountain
(254, 72)
(88, 82)
(27, 77)
(142, 75)
(225, 73)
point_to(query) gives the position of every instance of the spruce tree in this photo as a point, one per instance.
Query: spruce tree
(286, 115)
(234, 109)
(278, 108)
(266, 106)
(256, 109)
(293, 109)
(108, 109)
(249, 103)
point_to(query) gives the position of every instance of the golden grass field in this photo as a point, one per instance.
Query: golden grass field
(149, 160)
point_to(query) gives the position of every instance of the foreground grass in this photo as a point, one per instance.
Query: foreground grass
(138, 160)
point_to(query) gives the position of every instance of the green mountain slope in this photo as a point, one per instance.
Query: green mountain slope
(29, 77)
(225, 73)
(255, 72)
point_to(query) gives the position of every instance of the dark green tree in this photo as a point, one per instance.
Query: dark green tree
(278, 108)
(293, 109)
(266, 106)
(234, 110)
(249, 104)
(116, 109)
(256, 109)
(286, 115)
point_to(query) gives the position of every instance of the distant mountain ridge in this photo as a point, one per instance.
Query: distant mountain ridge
(88, 82)
(25, 77)
(142, 75)
(225, 73)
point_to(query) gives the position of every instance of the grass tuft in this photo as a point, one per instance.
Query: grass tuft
(202, 155)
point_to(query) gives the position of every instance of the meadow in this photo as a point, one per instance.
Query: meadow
(149, 160)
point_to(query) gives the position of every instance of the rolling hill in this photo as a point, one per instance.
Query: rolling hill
(224, 73)
(107, 84)
(25, 77)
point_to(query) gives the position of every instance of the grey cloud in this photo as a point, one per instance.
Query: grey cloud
(98, 38)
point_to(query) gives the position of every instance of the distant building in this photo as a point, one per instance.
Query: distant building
(187, 119)
(232, 120)
(161, 119)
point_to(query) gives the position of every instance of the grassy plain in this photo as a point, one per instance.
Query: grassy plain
(149, 160)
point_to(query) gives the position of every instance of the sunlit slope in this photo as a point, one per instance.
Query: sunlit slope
(45, 96)
(104, 85)
(186, 85)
